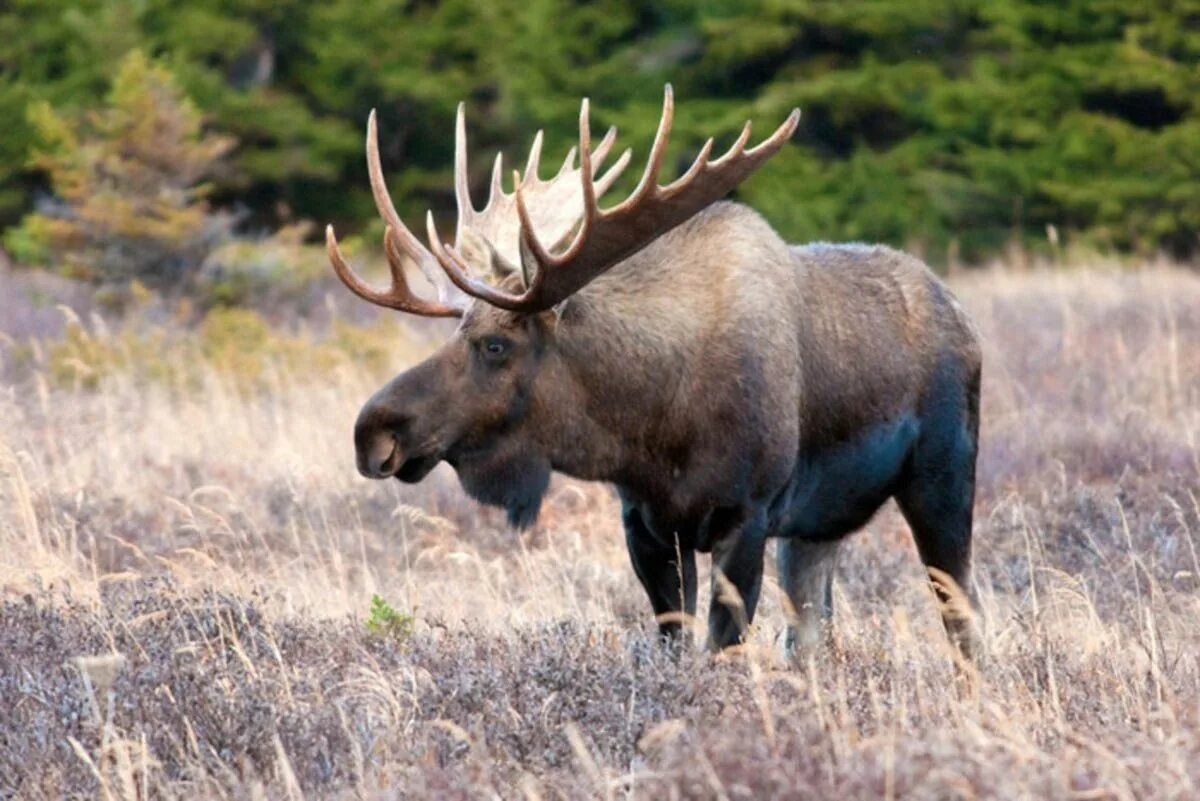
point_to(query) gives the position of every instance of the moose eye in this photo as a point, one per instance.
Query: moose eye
(494, 349)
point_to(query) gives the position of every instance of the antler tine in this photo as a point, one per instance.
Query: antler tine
(586, 175)
(772, 143)
(535, 157)
(462, 191)
(394, 256)
(496, 188)
(453, 268)
(528, 239)
(648, 185)
(697, 167)
(590, 209)
(738, 147)
(614, 172)
(659, 149)
(568, 162)
(398, 296)
(383, 202)
(601, 151)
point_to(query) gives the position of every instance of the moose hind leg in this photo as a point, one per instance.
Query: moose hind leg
(806, 574)
(667, 573)
(937, 500)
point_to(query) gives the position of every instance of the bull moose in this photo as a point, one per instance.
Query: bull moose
(732, 387)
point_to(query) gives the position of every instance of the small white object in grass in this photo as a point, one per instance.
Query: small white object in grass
(101, 671)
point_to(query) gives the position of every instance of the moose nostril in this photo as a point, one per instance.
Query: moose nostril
(383, 456)
(378, 433)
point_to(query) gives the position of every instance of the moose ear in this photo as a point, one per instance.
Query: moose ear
(529, 262)
(482, 256)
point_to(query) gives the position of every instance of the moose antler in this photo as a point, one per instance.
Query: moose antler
(497, 222)
(602, 239)
(606, 237)
(398, 242)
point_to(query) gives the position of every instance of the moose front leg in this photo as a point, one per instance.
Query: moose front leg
(738, 542)
(667, 572)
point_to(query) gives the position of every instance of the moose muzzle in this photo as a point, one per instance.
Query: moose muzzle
(383, 446)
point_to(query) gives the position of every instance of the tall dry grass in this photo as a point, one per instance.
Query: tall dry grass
(187, 558)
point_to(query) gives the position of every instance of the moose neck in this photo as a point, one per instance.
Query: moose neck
(624, 347)
(621, 379)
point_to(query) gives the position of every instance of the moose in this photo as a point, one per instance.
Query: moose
(733, 388)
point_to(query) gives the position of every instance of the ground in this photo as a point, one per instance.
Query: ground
(188, 561)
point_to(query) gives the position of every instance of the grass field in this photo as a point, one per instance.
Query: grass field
(188, 558)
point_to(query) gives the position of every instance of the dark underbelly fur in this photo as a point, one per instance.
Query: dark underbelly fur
(835, 490)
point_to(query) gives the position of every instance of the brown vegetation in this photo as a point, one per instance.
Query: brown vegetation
(188, 559)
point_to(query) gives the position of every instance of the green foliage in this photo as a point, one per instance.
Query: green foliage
(987, 121)
(385, 622)
(128, 183)
(926, 122)
(277, 271)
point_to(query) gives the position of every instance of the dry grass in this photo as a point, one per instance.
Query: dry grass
(187, 566)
